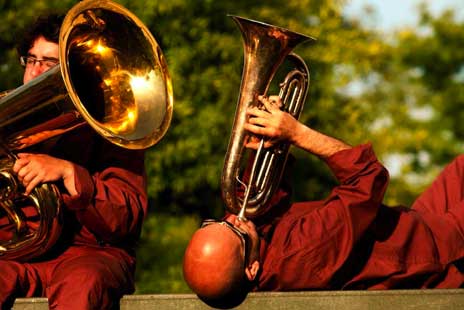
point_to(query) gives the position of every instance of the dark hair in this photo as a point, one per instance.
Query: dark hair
(47, 26)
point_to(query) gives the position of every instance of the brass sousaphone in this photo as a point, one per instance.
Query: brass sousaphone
(113, 77)
(249, 180)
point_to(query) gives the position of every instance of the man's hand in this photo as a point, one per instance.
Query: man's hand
(272, 124)
(278, 126)
(35, 169)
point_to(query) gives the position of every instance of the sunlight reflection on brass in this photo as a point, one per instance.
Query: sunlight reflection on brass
(127, 123)
(148, 92)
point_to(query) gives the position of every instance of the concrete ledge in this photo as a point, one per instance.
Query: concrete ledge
(346, 300)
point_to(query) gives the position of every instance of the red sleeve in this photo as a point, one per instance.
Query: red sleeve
(112, 199)
(314, 239)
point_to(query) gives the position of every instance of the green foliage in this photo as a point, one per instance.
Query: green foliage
(402, 92)
(420, 93)
(164, 239)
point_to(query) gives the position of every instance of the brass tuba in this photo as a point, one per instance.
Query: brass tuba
(250, 178)
(113, 77)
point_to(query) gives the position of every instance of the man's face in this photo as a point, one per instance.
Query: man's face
(41, 50)
(249, 228)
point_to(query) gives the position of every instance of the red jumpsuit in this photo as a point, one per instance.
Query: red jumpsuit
(93, 263)
(351, 241)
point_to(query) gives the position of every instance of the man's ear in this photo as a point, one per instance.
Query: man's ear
(251, 270)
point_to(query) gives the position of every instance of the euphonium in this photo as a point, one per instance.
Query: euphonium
(257, 175)
(113, 77)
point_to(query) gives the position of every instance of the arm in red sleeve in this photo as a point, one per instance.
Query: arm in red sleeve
(112, 199)
(314, 239)
(363, 181)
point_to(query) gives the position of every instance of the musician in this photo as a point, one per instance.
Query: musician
(347, 241)
(105, 200)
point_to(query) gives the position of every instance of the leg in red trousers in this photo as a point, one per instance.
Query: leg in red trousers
(89, 278)
(17, 280)
(442, 207)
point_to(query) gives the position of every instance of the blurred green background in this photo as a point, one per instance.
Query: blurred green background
(402, 91)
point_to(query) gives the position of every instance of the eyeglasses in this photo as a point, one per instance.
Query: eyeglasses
(30, 61)
(244, 238)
